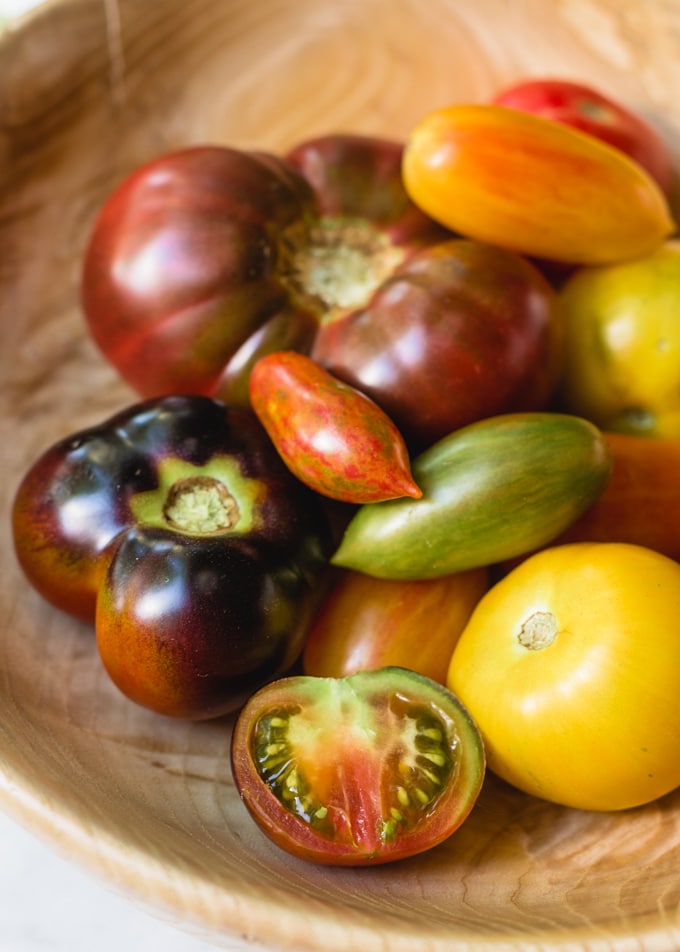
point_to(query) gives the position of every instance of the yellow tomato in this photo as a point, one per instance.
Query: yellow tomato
(570, 666)
(623, 344)
(533, 185)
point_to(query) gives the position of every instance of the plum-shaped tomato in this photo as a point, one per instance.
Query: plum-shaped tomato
(175, 526)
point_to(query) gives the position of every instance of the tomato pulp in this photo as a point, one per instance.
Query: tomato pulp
(360, 770)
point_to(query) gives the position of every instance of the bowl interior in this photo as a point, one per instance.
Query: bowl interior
(88, 90)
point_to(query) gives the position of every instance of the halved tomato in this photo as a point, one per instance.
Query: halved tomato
(361, 770)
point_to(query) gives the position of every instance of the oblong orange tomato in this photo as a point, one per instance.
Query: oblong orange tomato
(570, 666)
(366, 623)
(532, 185)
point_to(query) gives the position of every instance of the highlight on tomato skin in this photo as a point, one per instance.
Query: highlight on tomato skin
(357, 771)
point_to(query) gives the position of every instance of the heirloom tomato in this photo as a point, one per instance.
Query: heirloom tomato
(204, 260)
(492, 490)
(462, 331)
(365, 623)
(542, 188)
(355, 771)
(641, 502)
(587, 109)
(334, 438)
(570, 666)
(623, 344)
(176, 528)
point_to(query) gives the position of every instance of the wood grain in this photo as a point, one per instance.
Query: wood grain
(88, 89)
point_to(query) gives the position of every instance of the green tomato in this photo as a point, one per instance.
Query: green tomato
(493, 490)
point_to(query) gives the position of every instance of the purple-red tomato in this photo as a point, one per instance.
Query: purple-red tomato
(334, 438)
(582, 107)
(204, 260)
(176, 528)
(461, 331)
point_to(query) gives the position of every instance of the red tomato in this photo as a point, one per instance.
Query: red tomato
(360, 770)
(584, 108)
(368, 622)
(332, 437)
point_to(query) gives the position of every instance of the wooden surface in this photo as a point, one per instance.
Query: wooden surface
(88, 89)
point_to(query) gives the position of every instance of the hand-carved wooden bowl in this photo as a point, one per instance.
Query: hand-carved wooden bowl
(89, 89)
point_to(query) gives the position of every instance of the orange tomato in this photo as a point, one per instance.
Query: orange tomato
(641, 502)
(533, 185)
(570, 666)
(367, 623)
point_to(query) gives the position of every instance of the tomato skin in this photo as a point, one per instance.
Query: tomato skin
(190, 268)
(622, 367)
(175, 528)
(461, 331)
(589, 717)
(357, 771)
(536, 186)
(365, 623)
(483, 500)
(587, 109)
(332, 437)
(641, 502)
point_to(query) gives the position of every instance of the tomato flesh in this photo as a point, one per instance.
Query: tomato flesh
(358, 770)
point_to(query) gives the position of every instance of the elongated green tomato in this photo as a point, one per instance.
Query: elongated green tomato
(570, 666)
(533, 185)
(493, 490)
(357, 771)
(330, 435)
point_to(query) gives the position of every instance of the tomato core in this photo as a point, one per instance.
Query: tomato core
(340, 263)
(201, 504)
(538, 631)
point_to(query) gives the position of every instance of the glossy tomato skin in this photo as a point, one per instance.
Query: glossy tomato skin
(148, 523)
(357, 771)
(365, 623)
(641, 502)
(523, 182)
(463, 330)
(193, 266)
(332, 437)
(587, 109)
(496, 489)
(622, 344)
(570, 667)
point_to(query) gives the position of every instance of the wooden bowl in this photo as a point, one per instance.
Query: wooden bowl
(89, 89)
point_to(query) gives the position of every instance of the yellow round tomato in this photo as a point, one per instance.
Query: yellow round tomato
(570, 665)
(623, 344)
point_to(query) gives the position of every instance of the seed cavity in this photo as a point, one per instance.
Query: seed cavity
(426, 762)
